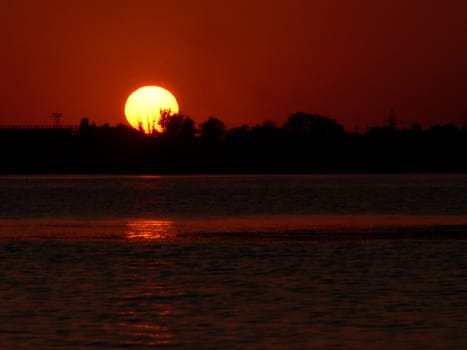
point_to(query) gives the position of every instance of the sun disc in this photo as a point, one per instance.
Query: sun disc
(144, 106)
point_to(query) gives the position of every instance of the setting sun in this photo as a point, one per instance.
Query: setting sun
(144, 106)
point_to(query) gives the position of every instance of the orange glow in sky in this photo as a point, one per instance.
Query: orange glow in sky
(241, 61)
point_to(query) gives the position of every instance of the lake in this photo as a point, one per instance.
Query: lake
(234, 262)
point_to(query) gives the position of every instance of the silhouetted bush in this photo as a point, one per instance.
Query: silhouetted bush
(306, 143)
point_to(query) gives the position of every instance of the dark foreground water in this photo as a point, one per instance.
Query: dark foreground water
(225, 262)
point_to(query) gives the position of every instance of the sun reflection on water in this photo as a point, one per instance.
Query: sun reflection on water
(150, 230)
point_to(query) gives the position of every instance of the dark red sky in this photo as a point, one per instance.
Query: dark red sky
(244, 61)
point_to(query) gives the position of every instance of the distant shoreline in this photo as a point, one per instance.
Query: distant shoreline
(305, 144)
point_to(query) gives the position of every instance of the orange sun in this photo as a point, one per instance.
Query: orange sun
(144, 106)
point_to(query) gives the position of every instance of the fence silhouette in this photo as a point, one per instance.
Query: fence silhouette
(39, 126)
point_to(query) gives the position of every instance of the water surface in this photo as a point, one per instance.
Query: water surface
(229, 262)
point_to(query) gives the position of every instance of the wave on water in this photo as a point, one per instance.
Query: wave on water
(250, 228)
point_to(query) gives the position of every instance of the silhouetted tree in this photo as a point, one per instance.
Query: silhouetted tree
(446, 131)
(178, 126)
(267, 136)
(307, 143)
(240, 131)
(313, 126)
(239, 139)
(165, 115)
(212, 130)
(265, 127)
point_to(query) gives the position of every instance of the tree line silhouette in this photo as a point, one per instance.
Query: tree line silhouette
(305, 143)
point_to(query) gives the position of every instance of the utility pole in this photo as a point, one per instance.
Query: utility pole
(56, 116)
(392, 120)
